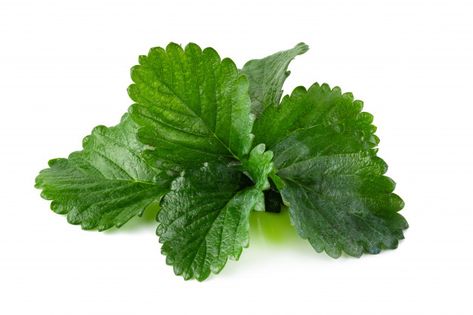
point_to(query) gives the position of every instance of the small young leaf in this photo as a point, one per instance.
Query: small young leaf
(107, 183)
(267, 76)
(204, 220)
(258, 166)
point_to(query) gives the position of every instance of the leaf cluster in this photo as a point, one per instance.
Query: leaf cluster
(210, 143)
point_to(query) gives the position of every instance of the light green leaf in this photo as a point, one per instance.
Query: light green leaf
(204, 220)
(191, 105)
(324, 153)
(267, 76)
(107, 183)
(258, 166)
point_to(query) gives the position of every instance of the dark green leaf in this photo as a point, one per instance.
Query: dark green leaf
(324, 152)
(204, 220)
(344, 203)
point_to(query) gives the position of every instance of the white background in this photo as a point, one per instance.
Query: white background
(64, 68)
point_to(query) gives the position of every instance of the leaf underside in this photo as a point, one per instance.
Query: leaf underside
(267, 76)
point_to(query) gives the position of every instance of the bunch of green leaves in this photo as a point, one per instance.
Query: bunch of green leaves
(210, 143)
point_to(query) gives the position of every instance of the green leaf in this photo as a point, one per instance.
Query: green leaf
(267, 76)
(324, 151)
(191, 105)
(258, 166)
(319, 112)
(204, 220)
(344, 203)
(107, 183)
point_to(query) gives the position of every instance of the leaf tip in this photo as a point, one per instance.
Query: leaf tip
(301, 48)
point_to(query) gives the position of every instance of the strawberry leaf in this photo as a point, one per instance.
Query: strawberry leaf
(334, 185)
(105, 184)
(192, 106)
(204, 220)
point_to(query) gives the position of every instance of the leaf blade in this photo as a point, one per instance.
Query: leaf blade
(204, 221)
(324, 152)
(191, 105)
(105, 184)
(338, 206)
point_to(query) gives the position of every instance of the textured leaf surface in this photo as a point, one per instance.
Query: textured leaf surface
(324, 152)
(344, 203)
(267, 76)
(204, 220)
(320, 113)
(107, 183)
(191, 105)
